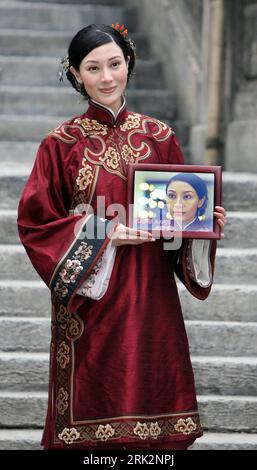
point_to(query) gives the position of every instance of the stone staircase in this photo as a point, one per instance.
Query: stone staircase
(222, 330)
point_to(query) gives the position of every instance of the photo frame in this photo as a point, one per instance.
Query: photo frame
(174, 200)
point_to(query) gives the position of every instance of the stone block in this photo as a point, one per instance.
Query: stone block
(241, 148)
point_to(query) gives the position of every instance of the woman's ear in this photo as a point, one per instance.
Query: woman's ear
(201, 202)
(76, 74)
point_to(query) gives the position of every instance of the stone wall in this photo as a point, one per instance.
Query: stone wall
(173, 34)
(179, 33)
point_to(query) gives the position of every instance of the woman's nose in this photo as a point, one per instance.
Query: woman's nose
(106, 75)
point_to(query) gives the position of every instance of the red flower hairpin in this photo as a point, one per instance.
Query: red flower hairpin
(121, 29)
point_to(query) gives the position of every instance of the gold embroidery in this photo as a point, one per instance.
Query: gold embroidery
(63, 316)
(72, 323)
(63, 355)
(186, 426)
(141, 430)
(111, 158)
(154, 430)
(128, 155)
(104, 432)
(90, 125)
(132, 122)
(73, 328)
(62, 401)
(144, 430)
(69, 435)
(85, 176)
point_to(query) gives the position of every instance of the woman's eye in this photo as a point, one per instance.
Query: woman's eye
(187, 197)
(172, 196)
(115, 64)
(93, 69)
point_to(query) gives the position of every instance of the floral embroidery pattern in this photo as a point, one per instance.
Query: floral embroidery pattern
(144, 430)
(63, 355)
(62, 401)
(69, 435)
(85, 177)
(70, 271)
(186, 426)
(84, 251)
(104, 432)
(90, 281)
(72, 268)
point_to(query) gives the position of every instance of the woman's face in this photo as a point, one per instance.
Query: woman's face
(180, 192)
(104, 75)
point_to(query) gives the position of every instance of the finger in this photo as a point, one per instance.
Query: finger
(221, 209)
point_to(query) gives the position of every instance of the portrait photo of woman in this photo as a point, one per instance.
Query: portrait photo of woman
(187, 196)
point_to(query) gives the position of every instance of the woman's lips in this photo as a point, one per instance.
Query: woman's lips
(108, 91)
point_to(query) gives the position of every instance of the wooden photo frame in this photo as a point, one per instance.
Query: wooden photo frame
(175, 199)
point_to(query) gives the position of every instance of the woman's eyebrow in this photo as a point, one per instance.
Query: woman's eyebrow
(97, 61)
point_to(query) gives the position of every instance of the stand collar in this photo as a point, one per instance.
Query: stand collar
(105, 115)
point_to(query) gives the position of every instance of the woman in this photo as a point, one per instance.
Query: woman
(120, 371)
(187, 196)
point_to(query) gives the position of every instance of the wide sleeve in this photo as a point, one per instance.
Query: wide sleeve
(195, 260)
(63, 248)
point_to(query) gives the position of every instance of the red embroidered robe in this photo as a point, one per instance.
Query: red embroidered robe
(120, 371)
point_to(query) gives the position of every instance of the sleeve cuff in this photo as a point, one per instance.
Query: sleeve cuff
(97, 283)
(198, 262)
(82, 256)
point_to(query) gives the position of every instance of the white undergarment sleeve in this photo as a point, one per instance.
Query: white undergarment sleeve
(96, 285)
(201, 262)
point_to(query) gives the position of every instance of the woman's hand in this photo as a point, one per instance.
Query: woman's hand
(129, 236)
(220, 213)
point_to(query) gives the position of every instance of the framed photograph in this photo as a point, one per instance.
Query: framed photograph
(174, 199)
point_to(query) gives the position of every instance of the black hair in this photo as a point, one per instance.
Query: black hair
(197, 183)
(89, 38)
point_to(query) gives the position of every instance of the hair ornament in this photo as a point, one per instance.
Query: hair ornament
(64, 67)
(121, 29)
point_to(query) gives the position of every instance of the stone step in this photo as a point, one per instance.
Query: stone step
(43, 71)
(239, 223)
(226, 441)
(28, 42)
(62, 17)
(213, 375)
(239, 191)
(29, 439)
(226, 302)
(231, 265)
(218, 413)
(75, 2)
(18, 299)
(205, 337)
(56, 101)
